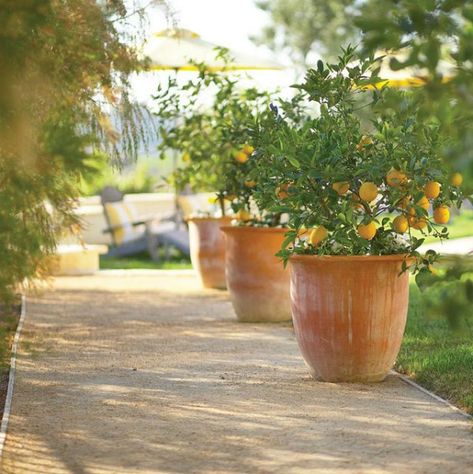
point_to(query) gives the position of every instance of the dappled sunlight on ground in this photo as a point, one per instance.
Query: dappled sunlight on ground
(166, 380)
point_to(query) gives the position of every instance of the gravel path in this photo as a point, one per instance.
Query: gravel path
(148, 374)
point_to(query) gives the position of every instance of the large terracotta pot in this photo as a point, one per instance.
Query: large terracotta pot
(349, 314)
(207, 249)
(256, 278)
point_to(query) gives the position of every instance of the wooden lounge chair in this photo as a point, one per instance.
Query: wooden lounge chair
(132, 234)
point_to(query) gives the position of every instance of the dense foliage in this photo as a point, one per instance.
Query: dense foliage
(64, 70)
(350, 189)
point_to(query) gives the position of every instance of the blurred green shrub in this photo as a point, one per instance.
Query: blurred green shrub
(138, 178)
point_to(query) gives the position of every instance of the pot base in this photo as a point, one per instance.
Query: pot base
(207, 247)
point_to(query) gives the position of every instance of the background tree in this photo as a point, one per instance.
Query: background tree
(304, 26)
(65, 68)
(429, 32)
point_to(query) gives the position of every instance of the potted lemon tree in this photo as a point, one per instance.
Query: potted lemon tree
(257, 282)
(197, 115)
(360, 198)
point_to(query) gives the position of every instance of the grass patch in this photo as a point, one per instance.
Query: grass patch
(460, 226)
(143, 261)
(436, 357)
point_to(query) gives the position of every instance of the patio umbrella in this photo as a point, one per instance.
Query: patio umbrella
(410, 76)
(175, 49)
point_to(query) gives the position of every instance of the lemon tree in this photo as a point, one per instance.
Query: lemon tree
(205, 121)
(353, 187)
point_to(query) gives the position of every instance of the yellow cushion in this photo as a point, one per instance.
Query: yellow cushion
(120, 216)
(192, 204)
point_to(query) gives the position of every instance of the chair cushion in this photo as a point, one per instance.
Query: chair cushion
(193, 204)
(122, 215)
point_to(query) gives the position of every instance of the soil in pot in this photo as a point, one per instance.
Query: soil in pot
(256, 279)
(207, 248)
(349, 314)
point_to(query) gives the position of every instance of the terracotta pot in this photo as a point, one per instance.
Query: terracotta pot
(349, 314)
(207, 249)
(256, 278)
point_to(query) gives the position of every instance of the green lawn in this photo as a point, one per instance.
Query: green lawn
(460, 226)
(436, 357)
(176, 262)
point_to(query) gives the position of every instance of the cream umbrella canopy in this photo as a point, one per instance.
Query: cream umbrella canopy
(177, 49)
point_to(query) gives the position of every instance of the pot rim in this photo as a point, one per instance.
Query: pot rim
(340, 258)
(272, 230)
(209, 218)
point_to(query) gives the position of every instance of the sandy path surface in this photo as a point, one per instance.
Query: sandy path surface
(148, 374)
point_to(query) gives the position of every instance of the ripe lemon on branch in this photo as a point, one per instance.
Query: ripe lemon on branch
(243, 215)
(442, 214)
(282, 191)
(241, 157)
(456, 179)
(432, 190)
(424, 203)
(248, 149)
(368, 191)
(317, 235)
(396, 178)
(367, 231)
(401, 224)
(341, 187)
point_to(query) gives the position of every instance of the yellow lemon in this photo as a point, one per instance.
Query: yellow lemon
(365, 140)
(186, 157)
(396, 178)
(368, 192)
(248, 149)
(400, 224)
(432, 190)
(442, 214)
(417, 223)
(243, 215)
(404, 202)
(423, 202)
(282, 191)
(241, 157)
(456, 179)
(367, 231)
(303, 230)
(341, 187)
(356, 202)
(250, 183)
(317, 235)
(213, 199)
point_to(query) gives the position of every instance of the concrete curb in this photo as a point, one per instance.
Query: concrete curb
(11, 378)
(410, 382)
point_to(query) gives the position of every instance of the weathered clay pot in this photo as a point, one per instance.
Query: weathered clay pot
(256, 278)
(349, 314)
(207, 249)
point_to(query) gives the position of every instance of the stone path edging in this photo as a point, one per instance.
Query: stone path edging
(11, 377)
(407, 380)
